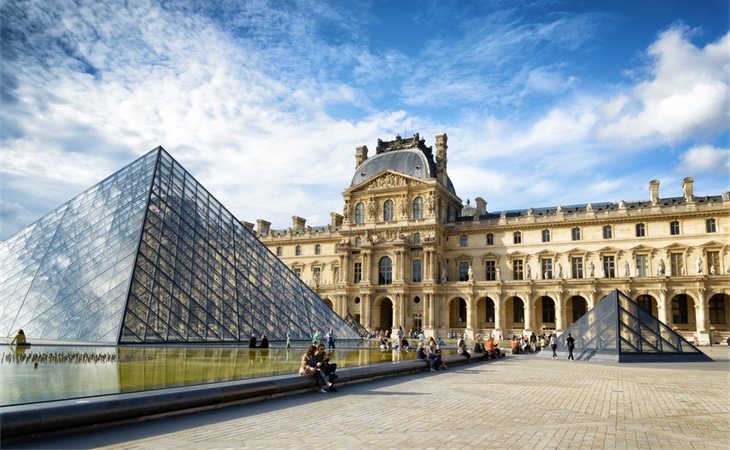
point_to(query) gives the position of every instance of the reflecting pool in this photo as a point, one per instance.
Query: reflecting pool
(43, 373)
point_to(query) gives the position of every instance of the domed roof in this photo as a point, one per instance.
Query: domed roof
(406, 156)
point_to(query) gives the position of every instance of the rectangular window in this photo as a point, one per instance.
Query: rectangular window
(713, 263)
(490, 239)
(336, 274)
(717, 311)
(676, 264)
(517, 237)
(463, 270)
(642, 265)
(416, 270)
(674, 227)
(357, 273)
(317, 271)
(680, 311)
(575, 234)
(518, 269)
(609, 266)
(640, 230)
(491, 270)
(576, 266)
(298, 271)
(546, 268)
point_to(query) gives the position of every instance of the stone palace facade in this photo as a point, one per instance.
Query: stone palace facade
(407, 252)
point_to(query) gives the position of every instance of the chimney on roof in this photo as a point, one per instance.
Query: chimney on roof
(297, 223)
(263, 227)
(481, 206)
(654, 191)
(361, 154)
(336, 219)
(687, 189)
(441, 159)
(247, 225)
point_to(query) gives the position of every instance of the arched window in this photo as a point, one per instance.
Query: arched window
(416, 238)
(418, 208)
(517, 237)
(278, 251)
(317, 249)
(575, 234)
(546, 235)
(607, 232)
(463, 240)
(298, 250)
(358, 241)
(388, 211)
(711, 226)
(385, 271)
(360, 213)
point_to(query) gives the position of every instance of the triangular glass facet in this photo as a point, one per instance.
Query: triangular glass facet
(618, 329)
(149, 256)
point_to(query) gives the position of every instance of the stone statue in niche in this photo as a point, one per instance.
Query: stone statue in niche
(528, 272)
(471, 273)
(560, 271)
(591, 269)
(444, 277)
(627, 269)
(372, 209)
(699, 265)
(498, 273)
(431, 203)
(661, 269)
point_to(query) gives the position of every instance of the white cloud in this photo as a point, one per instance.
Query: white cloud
(706, 159)
(686, 96)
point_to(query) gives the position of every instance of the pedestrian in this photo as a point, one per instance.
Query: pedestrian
(252, 341)
(554, 345)
(570, 342)
(317, 336)
(331, 338)
(288, 339)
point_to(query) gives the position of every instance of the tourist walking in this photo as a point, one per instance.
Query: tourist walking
(570, 342)
(554, 345)
(317, 336)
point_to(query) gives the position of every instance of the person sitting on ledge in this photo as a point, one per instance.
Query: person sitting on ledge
(323, 362)
(423, 356)
(19, 339)
(252, 341)
(264, 342)
(310, 367)
(461, 349)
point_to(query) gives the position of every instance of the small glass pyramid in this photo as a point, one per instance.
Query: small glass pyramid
(149, 256)
(618, 329)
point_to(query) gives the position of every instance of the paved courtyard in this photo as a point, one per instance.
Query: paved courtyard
(519, 402)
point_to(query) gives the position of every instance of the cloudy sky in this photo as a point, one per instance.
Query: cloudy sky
(544, 102)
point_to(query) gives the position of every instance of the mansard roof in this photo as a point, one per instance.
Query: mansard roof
(408, 156)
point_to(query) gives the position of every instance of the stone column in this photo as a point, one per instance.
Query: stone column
(366, 308)
(528, 314)
(498, 319)
(471, 316)
(366, 269)
(559, 313)
(702, 312)
(663, 307)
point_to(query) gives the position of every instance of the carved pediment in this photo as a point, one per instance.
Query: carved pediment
(389, 180)
(517, 254)
(642, 248)
(712, 244)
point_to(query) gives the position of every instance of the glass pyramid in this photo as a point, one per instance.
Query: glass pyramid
(619, 330)
(149, 256)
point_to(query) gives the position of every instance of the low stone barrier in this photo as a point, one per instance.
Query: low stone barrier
(22, 422)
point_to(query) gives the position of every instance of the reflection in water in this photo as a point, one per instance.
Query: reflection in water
(72, 372)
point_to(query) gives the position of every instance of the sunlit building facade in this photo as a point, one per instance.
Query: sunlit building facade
(406, 251)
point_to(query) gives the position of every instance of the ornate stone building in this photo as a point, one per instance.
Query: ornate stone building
(406, 251)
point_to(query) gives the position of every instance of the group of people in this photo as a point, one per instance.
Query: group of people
(488, 348)
(318, 336)
(431, 353)
(263, 344)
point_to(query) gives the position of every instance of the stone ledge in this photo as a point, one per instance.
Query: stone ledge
(23, 422)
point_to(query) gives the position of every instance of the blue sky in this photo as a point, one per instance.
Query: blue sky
(545, 102)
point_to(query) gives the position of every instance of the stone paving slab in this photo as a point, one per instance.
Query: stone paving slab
(517, 403)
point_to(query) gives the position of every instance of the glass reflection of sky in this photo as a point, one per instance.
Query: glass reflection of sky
(60, 373)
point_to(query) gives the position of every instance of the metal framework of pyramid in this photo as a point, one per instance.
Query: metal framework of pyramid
(149, 256)
(617, 329)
